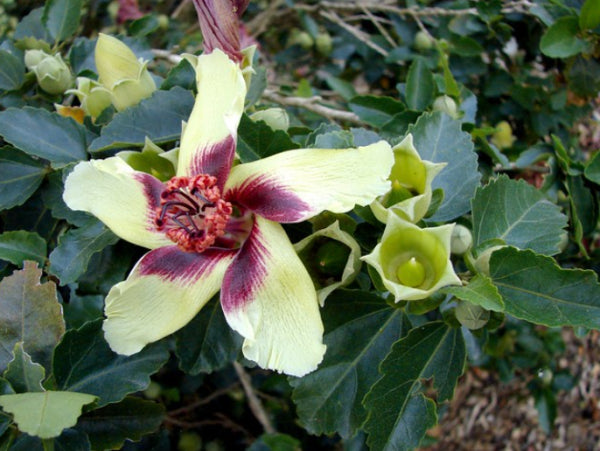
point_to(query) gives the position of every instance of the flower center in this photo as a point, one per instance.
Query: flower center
(411, 273)
(192, 213)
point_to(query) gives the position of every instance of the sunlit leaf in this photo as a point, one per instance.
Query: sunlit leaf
(479, 291)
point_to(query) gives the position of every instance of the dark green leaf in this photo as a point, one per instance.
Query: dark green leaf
(584, 76)
(182, 75)
(361, 328)
(83, 362)
(592, 168)
(144, 25)
(31, 26)
(560, 40)
(44, 134)
(374, 110)
(20, 176)
(257, 140)
(23, 373)
(81, 309)
(439, 138)
(158, 117)
(61, 17)
(207, 343)
(479, 291)
(275, 442)
(52, 196)
(399, 413)
(72, 440)
(109, 426)
(334, 140)
(30, 314)
(420, 87)
(589, 16)
(518, 214)
(12, 71)
(258, 84)
(466, 46)
(20, 245)
(536, 289)
(81, 55)
(70, 258)
(545, 403)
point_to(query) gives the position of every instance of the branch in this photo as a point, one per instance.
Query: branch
(255, 405)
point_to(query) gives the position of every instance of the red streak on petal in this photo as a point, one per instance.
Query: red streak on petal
(215, 160)
(152, 190)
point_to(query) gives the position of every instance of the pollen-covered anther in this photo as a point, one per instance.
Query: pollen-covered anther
(192, 213)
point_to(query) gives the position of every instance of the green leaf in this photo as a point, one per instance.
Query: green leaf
(52, 196)
(275, 442)
(360, 331)
(158, 117)
(20, 176)
(536, 289)
(592, 168)
(375, 110)
(420, 87)
(589, 17)
(479, 291)
(61, 18)
(45, 414)
(334, 140)
(84, 363)
(466, 46)
(560, 39)
(132, 418)
(439, 138)
(70, 258)
(23, 373)
(399, 413)
(30, 26)
(258, 84)
(207, 343)
(584, 76)
(182, 75)
(144, 25)
(12, 71)
(518, 214)
(31, 314)
(584, 209)
(20, 245)
(44, 134)
(257, 140)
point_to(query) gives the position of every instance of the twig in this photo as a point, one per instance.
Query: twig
(354, 31)
(166, 54)
(381, 29)
(310, 104)
(202, 401)
(259, 24)
(255, 404)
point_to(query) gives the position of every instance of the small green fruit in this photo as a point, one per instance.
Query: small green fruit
(189, 441)
(324, 44)
(423, 41)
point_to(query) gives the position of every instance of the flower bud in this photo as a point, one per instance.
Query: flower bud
(413, 263)
(503, 137)
(301, 38)
(332, 258)
(446, 104)
(52, 73)
(461, 240)
(411, 179)
(481, 264)
(276, 118)
(324, 44)
(93, 97)
(119, 71)
(422, 41)
(471, 316)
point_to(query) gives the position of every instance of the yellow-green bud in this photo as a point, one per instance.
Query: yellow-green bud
(461, 240)
(471, 316)
(301, 38)
(93, 97)
(482, 263)
(276, 118)
(446, 104)
(163, 21)
(52, 73)
(324, 44)
(423, 41)
(503, 137)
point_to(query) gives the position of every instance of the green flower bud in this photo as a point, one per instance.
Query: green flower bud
(503, 137)
(332, 258)
(481, 264)
(52, 74)
(324, 44)
(471, 316)
(119, 71)
(446, 104)
(461, 240)
(411, 179)
(423, 41)
(413, 263)
(93, 97)
(301, 38)
(276, 118)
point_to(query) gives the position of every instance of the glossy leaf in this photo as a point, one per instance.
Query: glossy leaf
(479, 291)
(52, 196)
(84, 363)
(374, 110)
(439, 138)
(18, 246)
(399, 412)
(361, 328)
(20, 176)
(257, 140)
(12, 71)
(420, 87)
(43, 134)
(158, 117)
(207, 343)
(23, 373)
(70, 258)
(109, 426)
(61, 17)
(30, 314)
(518, 214)
(589, 16)
(560, 40)
(536, 289)
(45, 414)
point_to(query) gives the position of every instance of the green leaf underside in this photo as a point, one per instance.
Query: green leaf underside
(45, 414)
(20, 245)
(61, 17)
(31, 314)
(536, 289)
(257, 140)
(12, 71)
(207, 343)
(132, 418)
(83, 362)
(158, 117)
(20, 176)
(23, 374)
(70, 258)
(518, 214)
(399, 413)
(43, 134)
(439, 138)
(329, 399)
(479, 291)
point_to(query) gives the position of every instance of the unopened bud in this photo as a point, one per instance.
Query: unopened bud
(461, 240)
(324, 44)
(423, 41)
(446, 104)
(52, 74)
(503, 137)
(276, 118)
(471, 316)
